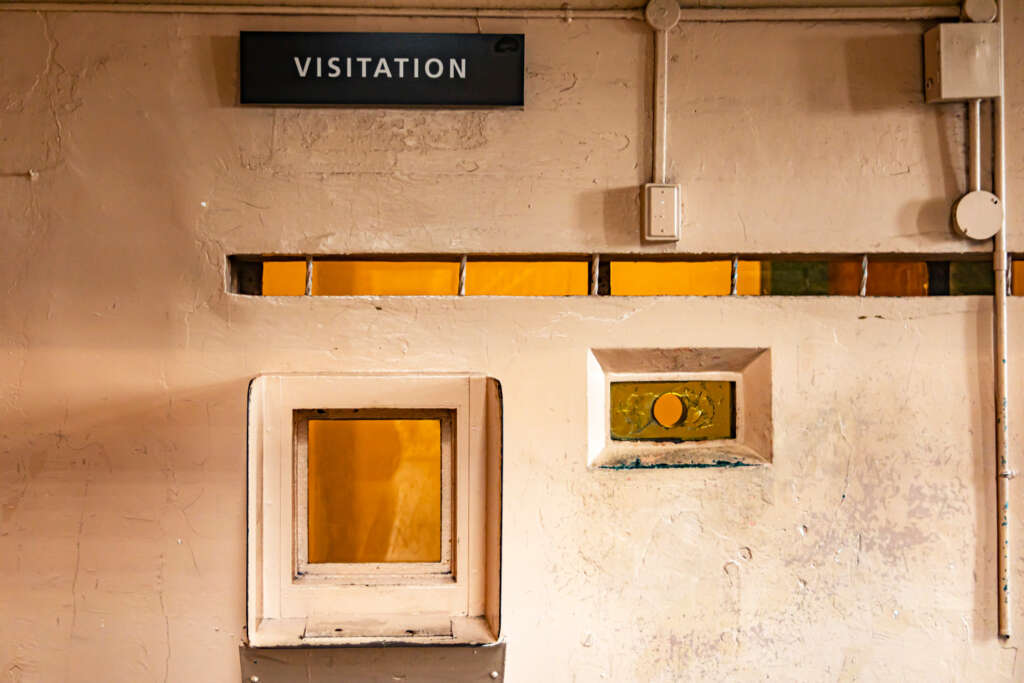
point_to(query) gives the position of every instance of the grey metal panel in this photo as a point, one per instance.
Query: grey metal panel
(440, 664)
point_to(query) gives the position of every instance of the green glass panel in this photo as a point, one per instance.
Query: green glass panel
(971, 277)
(672, 411)
(795, 278)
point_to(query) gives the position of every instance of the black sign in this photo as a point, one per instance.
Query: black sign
(382, 69)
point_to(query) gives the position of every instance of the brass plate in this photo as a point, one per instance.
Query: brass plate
(709, 410)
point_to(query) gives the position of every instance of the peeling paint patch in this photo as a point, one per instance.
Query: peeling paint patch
(638, 465)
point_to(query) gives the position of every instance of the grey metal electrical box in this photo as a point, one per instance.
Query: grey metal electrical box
(962, 62)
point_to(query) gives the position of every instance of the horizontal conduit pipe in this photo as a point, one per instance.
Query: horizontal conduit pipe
(696, 15)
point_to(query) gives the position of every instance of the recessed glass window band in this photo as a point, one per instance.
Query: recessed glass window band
(575, 275)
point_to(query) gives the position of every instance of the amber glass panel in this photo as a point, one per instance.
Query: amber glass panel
(527, 278)
(374, 490)
(1018, 277)
(284, 278)
(385, 278)
(892, 278)
(672, 411)
(748, 278)
(683, 278)
(844, 277)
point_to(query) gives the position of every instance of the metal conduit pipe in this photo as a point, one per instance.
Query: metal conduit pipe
(806, 12)
(1002, 424)
(659, 136)
(974, 145)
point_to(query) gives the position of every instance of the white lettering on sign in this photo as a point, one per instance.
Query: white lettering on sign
(384, 67)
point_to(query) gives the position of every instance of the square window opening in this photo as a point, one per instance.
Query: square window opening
(374, 492)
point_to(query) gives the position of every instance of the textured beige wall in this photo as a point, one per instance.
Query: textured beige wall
(863, 553)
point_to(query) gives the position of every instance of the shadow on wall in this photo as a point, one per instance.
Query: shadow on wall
(982, 481)
(125, 518)
(620, 214)
(882, 72)
(186, 443)
(885, 72)
(931, 219)
(224, 55)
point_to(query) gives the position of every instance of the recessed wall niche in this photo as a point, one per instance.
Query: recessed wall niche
(374, 510)
(688, 407)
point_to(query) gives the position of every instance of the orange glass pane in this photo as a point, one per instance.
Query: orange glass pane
(692, 278)
(748, 278)
(891, 278)
(374, 490)
(284, 278)
(1018, 277)
(385, 278)
(844, 278)
(527, 278)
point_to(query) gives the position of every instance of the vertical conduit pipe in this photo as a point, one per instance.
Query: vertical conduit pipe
(1003, 471)
(974, 146)
(659, 172)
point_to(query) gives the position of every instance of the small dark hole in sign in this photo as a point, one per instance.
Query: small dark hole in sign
(507, 44)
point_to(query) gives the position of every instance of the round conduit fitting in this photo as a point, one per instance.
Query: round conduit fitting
(978, 215)
(662, 15)
(980, 11)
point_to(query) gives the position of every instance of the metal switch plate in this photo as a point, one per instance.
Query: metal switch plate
(662, 212)
(962, 62)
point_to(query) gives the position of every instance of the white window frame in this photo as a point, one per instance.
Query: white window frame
(373, 603)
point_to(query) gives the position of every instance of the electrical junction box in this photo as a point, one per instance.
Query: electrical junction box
(662, 212)
(962, 62)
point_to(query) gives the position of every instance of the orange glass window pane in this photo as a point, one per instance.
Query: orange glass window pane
(844, 277)
(748, 278)
(695, 278)
(527, 278)
(385, 278)
(890, 278)
(1018, 277)
(374, 490)
(284, 278)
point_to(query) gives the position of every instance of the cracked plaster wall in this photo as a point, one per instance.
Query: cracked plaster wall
(864, 553)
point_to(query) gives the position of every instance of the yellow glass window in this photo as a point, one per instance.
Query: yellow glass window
(695, 278)
(527, 278)
(385, 278)
(374, 490)
(284, 278)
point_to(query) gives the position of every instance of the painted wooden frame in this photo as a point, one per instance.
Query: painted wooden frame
(382, 573)
(289, 608)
